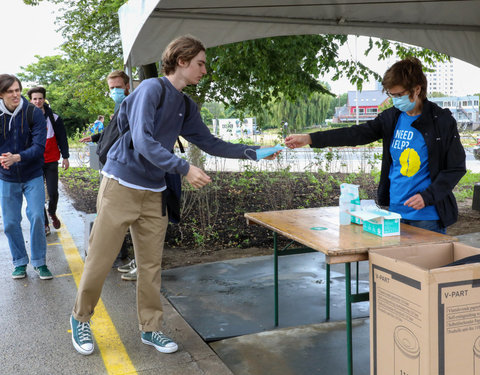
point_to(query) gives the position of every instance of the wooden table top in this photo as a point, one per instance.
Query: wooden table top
(319, 229)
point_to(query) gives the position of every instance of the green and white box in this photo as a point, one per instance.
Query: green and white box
(380, 222)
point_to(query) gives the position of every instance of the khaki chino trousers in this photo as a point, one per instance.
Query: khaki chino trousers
(120, 207)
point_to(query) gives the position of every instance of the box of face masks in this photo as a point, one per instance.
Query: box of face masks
(380, 222)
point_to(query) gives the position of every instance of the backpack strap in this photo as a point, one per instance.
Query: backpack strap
(30, 109)
(162, 96)
(187, 110)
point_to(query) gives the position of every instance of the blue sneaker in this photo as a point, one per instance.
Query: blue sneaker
(81, 336)
(161, 342)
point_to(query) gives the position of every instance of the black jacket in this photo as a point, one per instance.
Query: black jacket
(446, 156)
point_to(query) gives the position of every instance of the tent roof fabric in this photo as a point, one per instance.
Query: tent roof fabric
(451, 27)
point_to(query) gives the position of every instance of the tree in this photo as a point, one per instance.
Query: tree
(207, 116)
(303, 113)
(75, 89)
(436, 94)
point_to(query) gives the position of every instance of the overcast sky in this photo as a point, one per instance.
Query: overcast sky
(27, 31)
(30, 31)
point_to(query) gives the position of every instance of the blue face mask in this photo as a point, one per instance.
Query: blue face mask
(117, 95)
(403, 103)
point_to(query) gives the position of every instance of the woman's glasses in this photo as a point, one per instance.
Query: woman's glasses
(397, 94)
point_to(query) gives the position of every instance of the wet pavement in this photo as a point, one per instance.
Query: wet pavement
(34, 318)
(220, 314)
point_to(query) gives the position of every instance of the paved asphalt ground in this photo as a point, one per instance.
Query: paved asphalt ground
(35, 336)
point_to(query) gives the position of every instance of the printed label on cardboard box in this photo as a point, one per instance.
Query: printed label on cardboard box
(404, 340)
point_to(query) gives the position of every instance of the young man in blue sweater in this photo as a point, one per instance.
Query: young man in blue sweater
(130, 193)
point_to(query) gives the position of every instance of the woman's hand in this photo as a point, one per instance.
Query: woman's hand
(298, 140)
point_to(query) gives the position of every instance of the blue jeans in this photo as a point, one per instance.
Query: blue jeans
(11, 200)
(433, 225)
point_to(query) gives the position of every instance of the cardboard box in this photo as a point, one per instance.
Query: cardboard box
(383, 223)
(424, 318)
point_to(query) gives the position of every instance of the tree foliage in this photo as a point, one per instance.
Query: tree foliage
(306, 111)
(75, 90)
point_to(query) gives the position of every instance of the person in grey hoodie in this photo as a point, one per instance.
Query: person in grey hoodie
(130, 193)
(22, 145)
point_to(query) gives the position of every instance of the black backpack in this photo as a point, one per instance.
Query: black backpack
(107, 138)
(172, 194)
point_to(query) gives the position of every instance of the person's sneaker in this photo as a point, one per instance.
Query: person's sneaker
(127, 267)
(47, 229)
(55, 222)
(81, 336)
(43, 272)
(19, 272)
(130, 276)
(161, 342)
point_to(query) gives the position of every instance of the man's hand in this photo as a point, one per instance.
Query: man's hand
(298, 140)
(86, 139)
(65, 164)
(197, 178)
(416, 202)
(273, 156)
(8, 159)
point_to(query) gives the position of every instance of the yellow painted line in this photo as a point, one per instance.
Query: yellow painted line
(64, 275)
(53, 243)
(108, 341)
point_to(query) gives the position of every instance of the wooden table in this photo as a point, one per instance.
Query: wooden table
(318, 229)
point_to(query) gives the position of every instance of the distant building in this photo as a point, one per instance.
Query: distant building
(234, 128)
(442, 79)
(463, 108)
(369, 102)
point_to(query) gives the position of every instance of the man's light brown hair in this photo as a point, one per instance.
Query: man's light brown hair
(119, 73)
(183, 48)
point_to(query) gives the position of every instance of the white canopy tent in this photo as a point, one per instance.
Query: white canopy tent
(451, 27)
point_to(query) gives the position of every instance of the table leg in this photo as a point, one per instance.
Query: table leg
(348, 317)
(327, 294)
(275, 275)
(357, 277)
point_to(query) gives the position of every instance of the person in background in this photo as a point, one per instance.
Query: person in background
(423, 158)
(22, 145)
(97, 126)
(130, 193)
(119, 85)
(56, 145)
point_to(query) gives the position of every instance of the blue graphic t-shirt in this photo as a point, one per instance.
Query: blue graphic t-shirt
(409, 172)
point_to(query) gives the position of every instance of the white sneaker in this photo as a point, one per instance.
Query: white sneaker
(127, 267)
(130, 276)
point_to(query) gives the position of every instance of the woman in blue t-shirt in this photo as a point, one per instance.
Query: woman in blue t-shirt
(423, 158)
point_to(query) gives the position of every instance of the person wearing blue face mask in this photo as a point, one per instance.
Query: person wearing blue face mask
(423, 158)
(119, 86)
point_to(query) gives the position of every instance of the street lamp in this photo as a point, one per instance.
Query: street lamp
(284, 128)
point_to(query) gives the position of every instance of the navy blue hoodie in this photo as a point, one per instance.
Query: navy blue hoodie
(19, 139)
